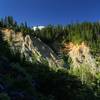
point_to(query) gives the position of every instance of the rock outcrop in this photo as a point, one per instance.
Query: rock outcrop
(80, 56)
(30, 48)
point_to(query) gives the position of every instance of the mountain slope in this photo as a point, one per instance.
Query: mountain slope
(30, 49)
(31, 70)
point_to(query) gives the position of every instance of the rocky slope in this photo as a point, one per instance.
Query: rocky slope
(26, 81)
(30, 48)
(81, 57)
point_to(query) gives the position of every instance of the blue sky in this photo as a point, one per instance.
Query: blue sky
(44, 12)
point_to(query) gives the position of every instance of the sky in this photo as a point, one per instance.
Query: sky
(44, 12)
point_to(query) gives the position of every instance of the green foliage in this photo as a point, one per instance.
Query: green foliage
(39, 81)
(78, 32)
(4, 96)
(43, 82)
(9, 22)
(75, 32)
(84, 74)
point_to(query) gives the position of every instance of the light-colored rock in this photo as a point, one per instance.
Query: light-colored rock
(30, 48)
(80, 56)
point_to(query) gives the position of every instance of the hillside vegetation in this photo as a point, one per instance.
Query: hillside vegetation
(53, 63)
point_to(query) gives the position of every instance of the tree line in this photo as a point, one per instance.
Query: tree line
(88, 32)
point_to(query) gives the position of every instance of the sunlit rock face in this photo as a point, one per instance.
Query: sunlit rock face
(80, 55)
(30, 49)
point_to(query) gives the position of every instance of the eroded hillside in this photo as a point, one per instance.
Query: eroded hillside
(30, 48)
